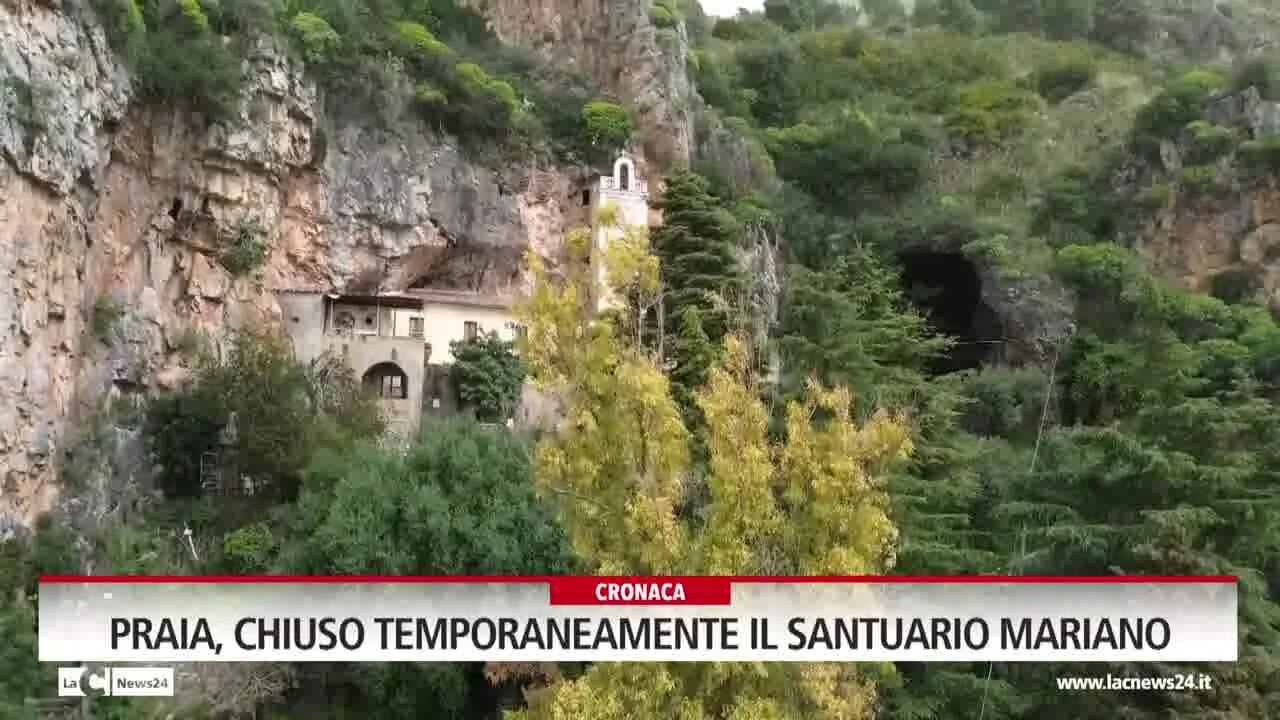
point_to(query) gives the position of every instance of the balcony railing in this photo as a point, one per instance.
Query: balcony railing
(609, 182)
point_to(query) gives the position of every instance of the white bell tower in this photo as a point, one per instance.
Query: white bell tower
(628, 193)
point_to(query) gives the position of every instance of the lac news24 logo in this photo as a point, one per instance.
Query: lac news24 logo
(122, 681)
(82, 681)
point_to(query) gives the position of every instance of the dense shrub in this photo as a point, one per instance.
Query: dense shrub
(770, 72)
(989, 111)
(488, 375)
(1064, 75)
(1209, 142)
(318, 39)
(178, 51)
(607, 124)
(1262, 73)
(281, 412)
(244, 250)
(1125, 25)
(663, 16)
(849, 164)
(1261, 155)
(1181, 102)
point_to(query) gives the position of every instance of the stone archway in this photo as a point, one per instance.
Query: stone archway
(387, 381)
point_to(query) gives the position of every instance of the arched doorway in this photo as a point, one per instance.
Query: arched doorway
(387, 381)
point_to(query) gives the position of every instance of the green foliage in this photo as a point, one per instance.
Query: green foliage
(177, 50)
(463, 80)
(1065, 74)
(662, 15)
(1068, 19)
(608, 124)
(1198, 179)
(50, 550)
(883, 13)
(957, 15)
(103, 317)
(283, 412)
(244, 250)
(248, 550)
(1260, 72)
(461, 502)
(796, 15)
(1261, 154)
(1125, 25)
(849, 162)
(488, 375)
(1072, 207)
(319, 41)
(989, 112)
(1004, 402)
(1181, 102)
(769, 74)
(1156, 196)
(703, 279)
(1209, 142)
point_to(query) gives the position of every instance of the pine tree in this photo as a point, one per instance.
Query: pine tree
(702, 275)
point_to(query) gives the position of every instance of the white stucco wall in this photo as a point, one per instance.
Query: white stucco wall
(631, 210)
(446, 323)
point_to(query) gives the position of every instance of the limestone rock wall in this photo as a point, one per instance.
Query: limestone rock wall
(613, 42)
(1234, 227)
(113, 219)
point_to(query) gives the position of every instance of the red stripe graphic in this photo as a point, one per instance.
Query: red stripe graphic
(551, 579)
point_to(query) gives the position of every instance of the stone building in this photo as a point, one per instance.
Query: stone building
(398, 343)
(374, 334)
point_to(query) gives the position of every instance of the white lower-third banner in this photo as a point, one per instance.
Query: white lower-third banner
(529, 619)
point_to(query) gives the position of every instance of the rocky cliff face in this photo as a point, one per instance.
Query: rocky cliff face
(1225, 238)
(617, 45)
(114, 217)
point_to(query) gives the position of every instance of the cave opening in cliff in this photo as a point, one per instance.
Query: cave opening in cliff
(947, 289)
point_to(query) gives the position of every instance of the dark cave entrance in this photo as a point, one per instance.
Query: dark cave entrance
(946, 288)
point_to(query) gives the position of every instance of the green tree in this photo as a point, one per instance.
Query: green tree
(1068, 19)
(770, 73)
(1126, 25)
(608, 124)
(882, 13)
(49, 550)
(282, 410)
(957, 15)
(488, 375)
(1018, 15)
(460, 503)
(616, 470)
(703, 280)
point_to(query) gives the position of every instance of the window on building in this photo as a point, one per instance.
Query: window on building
(624, 177)
(417, 327)
(387, 381)
(470, 330)
(586, 198)
(393, 386)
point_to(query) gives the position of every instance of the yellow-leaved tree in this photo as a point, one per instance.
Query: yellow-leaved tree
(617, 464)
